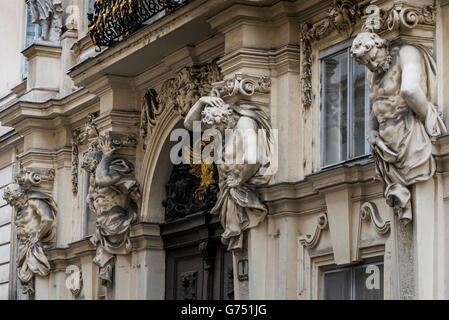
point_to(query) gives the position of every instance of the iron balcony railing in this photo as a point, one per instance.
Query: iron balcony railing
(114, 20)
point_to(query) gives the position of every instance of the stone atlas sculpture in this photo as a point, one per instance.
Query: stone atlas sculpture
(238, 204)
(113, 196)
(35, 214)
(404, 115)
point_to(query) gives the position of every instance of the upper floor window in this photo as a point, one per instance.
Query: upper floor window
(345, 106)
(359, 282)
(32, 32)
(90, 9)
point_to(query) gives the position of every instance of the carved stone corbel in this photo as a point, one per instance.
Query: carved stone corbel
(311, 241)
(35, 215)
(400, 15)
(246, 85)
(369, 211)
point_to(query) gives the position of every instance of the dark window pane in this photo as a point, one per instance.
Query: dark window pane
(369, 280)
(335, 73)
(360, 109)
(337, 285)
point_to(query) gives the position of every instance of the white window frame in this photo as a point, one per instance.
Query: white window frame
(336, 50)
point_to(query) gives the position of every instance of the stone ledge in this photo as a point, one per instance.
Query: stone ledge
(43, 50)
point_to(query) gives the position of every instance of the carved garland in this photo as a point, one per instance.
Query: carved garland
(79, 137)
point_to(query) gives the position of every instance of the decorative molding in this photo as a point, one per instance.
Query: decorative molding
(310, 241)
(400, 15)
(74, 281)
(28, 177)
(369, 211)
(79, 137)
(177, 94)
(341, 16)
(243, 84)
(188, 285)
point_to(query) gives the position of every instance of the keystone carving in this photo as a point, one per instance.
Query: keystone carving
(177, 94)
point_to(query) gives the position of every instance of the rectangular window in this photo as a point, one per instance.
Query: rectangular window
(345, 106)
(33, 31)
(90, 218)
(360, 282)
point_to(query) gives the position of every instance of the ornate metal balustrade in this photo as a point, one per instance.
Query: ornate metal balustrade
(115, 19)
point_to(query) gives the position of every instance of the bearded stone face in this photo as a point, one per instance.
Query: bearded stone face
(219, 118)
(15, 196)
(91, 161)
(372, 51)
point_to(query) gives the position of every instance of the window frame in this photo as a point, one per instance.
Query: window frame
(327, 53)
(362, 264)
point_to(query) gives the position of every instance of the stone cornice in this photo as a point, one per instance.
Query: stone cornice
(288, 197)
(284, 59)
(42, 50)
(143, 236)
(26, 110)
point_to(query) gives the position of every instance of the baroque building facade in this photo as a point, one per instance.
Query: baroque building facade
(350, 96)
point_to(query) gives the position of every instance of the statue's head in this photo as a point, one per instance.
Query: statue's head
(91, 160)
(372, 51)
(220, 118)
(15, 195)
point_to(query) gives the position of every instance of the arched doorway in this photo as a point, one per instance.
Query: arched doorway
(197, 264)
